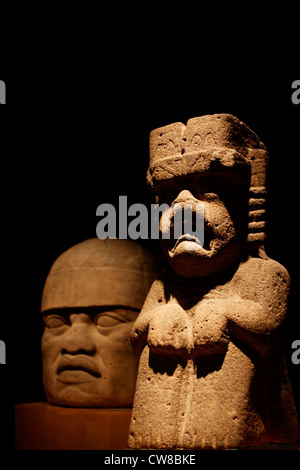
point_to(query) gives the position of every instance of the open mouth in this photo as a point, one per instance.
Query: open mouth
(192, 243)
(188, 238)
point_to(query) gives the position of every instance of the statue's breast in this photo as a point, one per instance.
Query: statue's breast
(201, 329)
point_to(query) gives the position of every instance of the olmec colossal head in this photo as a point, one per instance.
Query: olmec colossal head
(218, 161)
(92, 295)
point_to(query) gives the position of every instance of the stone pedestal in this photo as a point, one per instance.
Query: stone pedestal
(42, 426)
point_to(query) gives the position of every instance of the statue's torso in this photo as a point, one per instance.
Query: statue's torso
(211, 372)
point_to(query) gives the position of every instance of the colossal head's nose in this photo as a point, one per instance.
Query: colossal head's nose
(78, 340)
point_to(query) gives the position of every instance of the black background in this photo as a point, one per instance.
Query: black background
(87, 88)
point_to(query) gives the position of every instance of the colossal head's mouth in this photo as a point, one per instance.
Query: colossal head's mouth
(76, 370)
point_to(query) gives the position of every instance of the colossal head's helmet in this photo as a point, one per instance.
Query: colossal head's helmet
(97, 273)
(210, 143)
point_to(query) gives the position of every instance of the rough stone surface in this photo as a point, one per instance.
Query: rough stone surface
(92, 296)
(212, 373)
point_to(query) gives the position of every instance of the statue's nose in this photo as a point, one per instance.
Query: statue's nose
(185, 197)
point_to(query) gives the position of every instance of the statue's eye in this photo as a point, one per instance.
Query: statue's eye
(54, 321)
(108, 319)
(210, 197)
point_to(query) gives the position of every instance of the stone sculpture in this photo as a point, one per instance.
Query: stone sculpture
(92, 296)
(212, 373)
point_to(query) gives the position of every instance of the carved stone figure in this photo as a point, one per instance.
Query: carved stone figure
(212, 372)
(92, 296)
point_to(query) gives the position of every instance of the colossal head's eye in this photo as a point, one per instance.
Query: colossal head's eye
(106, 320)
(54, 321)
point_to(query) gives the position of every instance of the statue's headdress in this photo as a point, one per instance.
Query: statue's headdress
(208, 142)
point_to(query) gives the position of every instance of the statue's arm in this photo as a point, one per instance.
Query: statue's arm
(259, 302)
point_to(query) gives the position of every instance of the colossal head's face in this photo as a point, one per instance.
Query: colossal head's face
(87, 357)
(91, 298)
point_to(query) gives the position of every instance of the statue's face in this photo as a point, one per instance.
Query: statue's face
(223, 203)
(87, 357)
